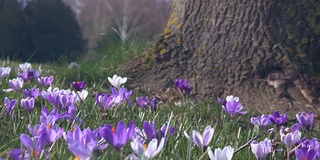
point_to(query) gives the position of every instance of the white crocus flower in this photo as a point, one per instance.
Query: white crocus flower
(117, 81)
(25, 66)
(83, 94)
(225, 154)
(146, 152)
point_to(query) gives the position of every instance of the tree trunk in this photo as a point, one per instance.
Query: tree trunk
(265, 52)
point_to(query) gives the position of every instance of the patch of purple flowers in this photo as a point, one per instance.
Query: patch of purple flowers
(183, 85)
(152, 132)
(106, 101)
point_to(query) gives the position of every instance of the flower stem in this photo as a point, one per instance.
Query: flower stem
(246, 144)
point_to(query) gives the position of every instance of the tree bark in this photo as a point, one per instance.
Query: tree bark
(265, 52)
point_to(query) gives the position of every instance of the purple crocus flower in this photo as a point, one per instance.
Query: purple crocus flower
(29, 75)
(78, 85)
(46, 81)
(9, 105)
(183, 85)
(66, 100)
(82, 143)
(19, 154)
(152, 132)
(278, 119)
(117, 136)
(28, 103)
(4, 72)
(37, 129)
(201, 140)
(34, 147)
(54, 133)
(180, 83)
(154, 104)
(125, 93)
(262, 120)
(305, 153)
(104, 101)
(306, 120)
(53, 98)
(45, 112)
(262, 149)
(117, 97)
(51, 119)
(15, 84)
(70, 115)
(314, 144)
(233, 106)
(33, 92)
(142, 101)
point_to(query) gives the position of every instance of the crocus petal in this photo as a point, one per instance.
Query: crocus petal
(152, 147)
(16, 154)
(299, 154)
(218, 154)
(161, 144)
(311, 154)
(243, 112)
(207, 135)
(228, 152)
(108, 135)
(197, 138)
(149, 130)
(79, 151)
(26, 141)
(211, 155)
(8, 90)
(131, 129)
(187, 135)
(110, 80)
(137, 147)
(121, 132)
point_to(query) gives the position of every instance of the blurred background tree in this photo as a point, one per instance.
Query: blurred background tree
(40, 31)
(44, 30)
